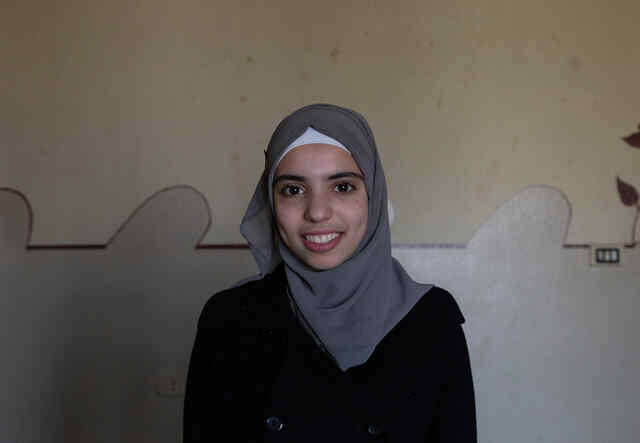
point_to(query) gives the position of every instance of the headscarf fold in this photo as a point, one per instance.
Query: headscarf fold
(349, 308)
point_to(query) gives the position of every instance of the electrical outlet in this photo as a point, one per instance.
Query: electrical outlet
(605, 255)
(168, 385)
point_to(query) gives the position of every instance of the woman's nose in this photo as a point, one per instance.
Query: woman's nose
(318, 208)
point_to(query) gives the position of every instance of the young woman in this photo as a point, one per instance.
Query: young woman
(335, 343)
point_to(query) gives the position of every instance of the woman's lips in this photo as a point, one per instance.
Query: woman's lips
(322, 242)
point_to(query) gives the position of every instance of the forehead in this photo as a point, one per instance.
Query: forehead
(317, 159)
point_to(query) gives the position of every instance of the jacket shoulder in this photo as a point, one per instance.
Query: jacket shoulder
(245, 305)
(439, 306)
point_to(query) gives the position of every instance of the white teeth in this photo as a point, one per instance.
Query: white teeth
(324, 238)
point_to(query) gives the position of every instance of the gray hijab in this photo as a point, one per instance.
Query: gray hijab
(351, 307)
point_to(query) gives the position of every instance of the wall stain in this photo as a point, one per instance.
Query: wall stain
(335, 53)
(249, 59)
(243, 99)
(570, 162)
(575, 63)
(440, 101)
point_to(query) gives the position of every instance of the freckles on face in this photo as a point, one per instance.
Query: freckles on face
(321, 204)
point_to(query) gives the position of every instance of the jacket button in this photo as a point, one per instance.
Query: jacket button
(375, 430)
(274, 424)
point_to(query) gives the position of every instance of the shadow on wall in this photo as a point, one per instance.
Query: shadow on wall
(91, 330)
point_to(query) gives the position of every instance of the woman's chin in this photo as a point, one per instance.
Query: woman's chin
(322, 263)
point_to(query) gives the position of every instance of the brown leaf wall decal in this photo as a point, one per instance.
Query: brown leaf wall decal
(628, 193)
(633, 140)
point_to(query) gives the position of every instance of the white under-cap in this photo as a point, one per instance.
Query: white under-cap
(309, 137)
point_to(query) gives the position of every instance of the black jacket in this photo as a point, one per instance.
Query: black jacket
(256, 376)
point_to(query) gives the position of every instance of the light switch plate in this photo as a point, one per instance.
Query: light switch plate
(605, 255)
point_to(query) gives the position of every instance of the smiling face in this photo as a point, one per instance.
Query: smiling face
(321, 204)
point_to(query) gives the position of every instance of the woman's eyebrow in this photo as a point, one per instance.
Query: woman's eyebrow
(295, 178)
(346, 175)
(300, 178)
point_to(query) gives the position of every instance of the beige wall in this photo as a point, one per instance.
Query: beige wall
(104, 103)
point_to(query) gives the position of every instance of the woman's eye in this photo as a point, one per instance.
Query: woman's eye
(291, 190)
(344, 187)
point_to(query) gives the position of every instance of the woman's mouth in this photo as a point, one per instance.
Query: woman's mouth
(322, 242)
